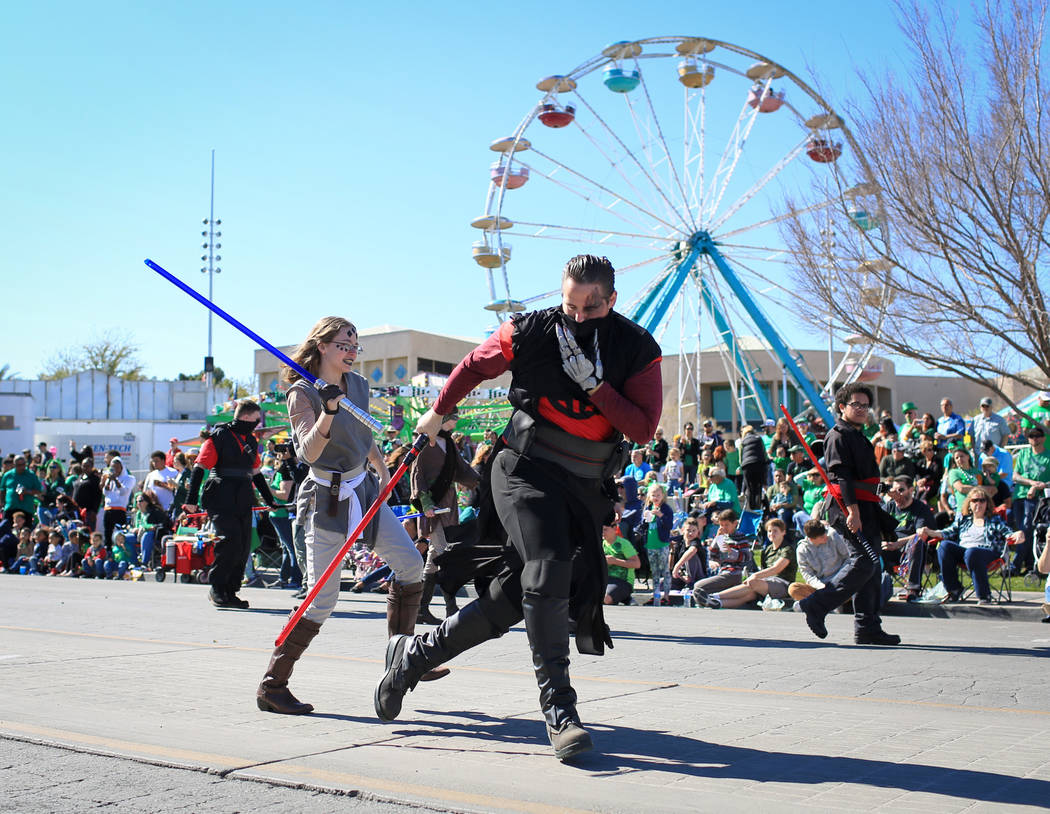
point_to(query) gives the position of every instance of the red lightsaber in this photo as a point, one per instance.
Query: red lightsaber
(254, 509)
(812, 457)
(337, 561)
(857, 538)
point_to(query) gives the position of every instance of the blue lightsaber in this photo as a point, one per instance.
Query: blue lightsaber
(345, 403)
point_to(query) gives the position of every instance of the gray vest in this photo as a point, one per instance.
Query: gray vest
(347, 449)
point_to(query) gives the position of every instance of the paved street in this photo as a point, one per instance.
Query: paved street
(694, 709)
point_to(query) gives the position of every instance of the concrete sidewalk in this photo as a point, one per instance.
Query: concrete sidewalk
(694, 709)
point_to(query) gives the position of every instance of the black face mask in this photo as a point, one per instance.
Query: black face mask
(583, 331)
(244, 427)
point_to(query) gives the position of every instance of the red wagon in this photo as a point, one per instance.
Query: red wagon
(189, 556)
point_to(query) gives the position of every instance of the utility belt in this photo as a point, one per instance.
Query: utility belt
(333, 484)
(865, 490)
(594, 460)
(233, 473)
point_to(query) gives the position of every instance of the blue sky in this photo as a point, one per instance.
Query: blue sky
(351, 153)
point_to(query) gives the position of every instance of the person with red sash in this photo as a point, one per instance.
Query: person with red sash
(583, 377)
(853, 475)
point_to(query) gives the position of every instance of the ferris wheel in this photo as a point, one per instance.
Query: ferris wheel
(682, 158)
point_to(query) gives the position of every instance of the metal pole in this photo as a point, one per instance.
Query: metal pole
(211, 263)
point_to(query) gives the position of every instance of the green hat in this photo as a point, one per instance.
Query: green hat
(797, 448)
(908, 405)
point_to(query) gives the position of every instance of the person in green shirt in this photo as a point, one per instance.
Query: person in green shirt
(721, 492)
(910, 430)
(1031, 476)
(962, 477)
(731, 458)
(20, 489)
(621, 558)
(1039, 414)
(778, 562)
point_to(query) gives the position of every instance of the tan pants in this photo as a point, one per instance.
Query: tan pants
(392, 544)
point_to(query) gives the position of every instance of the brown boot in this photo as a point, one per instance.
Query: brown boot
(402, 608)
(273, 694)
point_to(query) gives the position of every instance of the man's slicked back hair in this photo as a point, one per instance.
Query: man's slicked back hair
(589, 269)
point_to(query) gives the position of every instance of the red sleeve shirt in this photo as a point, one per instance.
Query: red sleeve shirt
(635, 412)
(209, 457)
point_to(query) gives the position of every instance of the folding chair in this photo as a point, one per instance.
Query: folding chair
(750, 520)
(998, 576)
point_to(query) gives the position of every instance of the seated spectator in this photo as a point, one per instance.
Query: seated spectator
(72, 554)
(21, 564)
(621, 559)
(975, 539)
(993, 485)
(122, 557)
(812, 492)
(962, 478)
(799, 464)
(777, 565)
(637, 468)
(786, 507)
(1005, 469)
(822, 556)
(690, 554)
(41, 537)
(929, 471)
(93, 563)
(731, 551)
(721, 492)
(55, 542)
(908, 552)
(54, 486)
(10, 531)
(895, 464)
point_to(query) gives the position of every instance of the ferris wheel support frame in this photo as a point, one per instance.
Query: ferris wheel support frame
(765, 327)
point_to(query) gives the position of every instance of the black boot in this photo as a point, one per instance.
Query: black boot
(425, 617)
(450, 603)
(408, 658)
(547, 625)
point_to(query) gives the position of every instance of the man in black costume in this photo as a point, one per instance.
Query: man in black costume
(583, 377)
(850, 462)
(232, 455)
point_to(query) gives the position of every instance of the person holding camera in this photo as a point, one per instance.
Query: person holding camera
(116, 491)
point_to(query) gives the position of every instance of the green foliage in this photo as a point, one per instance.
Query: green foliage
(112, 352)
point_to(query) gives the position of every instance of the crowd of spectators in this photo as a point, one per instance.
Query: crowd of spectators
(747, 515)
(725, 522)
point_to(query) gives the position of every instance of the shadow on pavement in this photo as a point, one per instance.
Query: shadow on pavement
(622, 748)
(783, 644)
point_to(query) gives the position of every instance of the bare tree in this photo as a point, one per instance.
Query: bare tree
(111, 352)
(958, 156)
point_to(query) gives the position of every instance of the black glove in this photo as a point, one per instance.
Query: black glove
(264, 489)
(329, 392)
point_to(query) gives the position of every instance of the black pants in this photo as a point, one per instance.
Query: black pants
(231, 553)
(754, 480)
(862, 578)
(112, 518)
